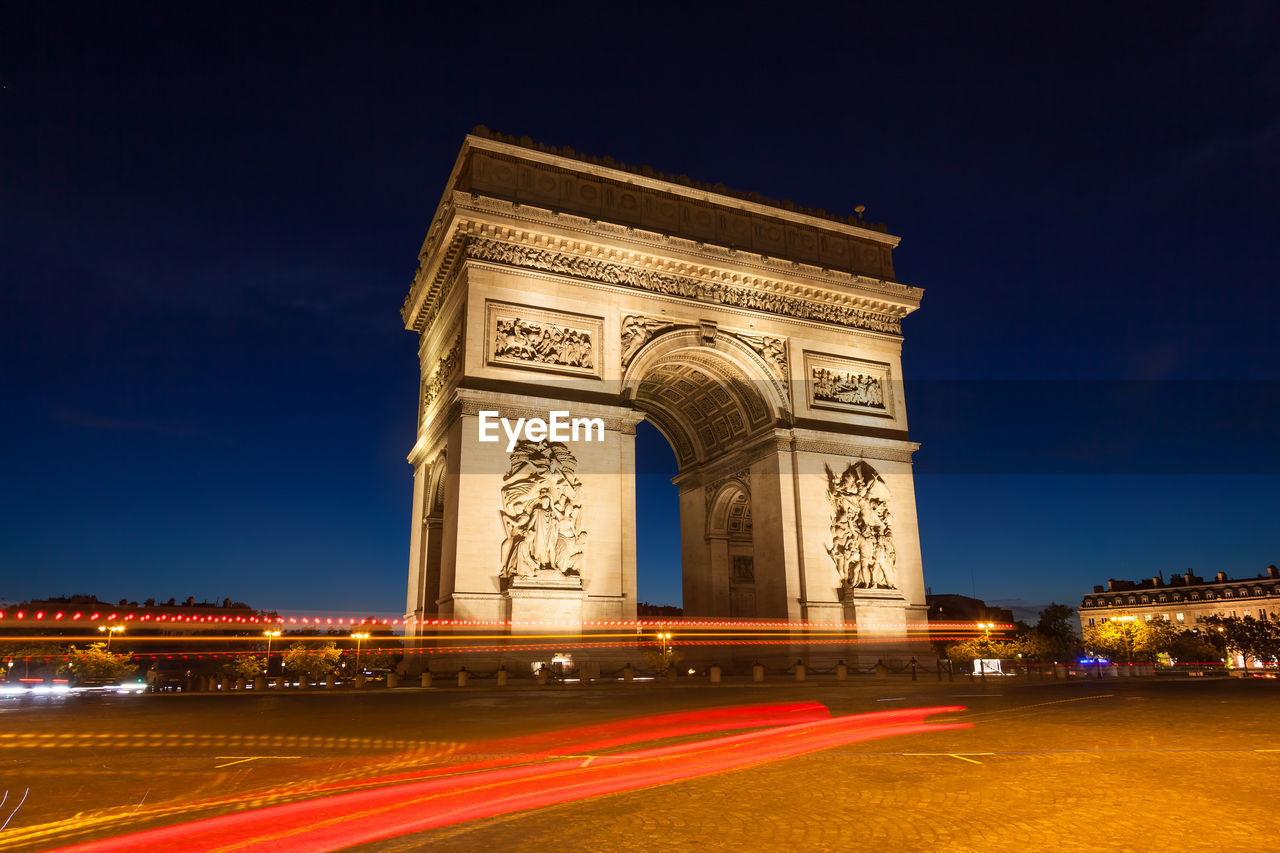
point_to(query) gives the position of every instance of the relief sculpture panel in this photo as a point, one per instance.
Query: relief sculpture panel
(847, 384)
(861, 528)
(545, 340)
(542, 516)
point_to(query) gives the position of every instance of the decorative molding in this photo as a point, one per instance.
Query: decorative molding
(772, 350)
(542, 516)
(848, 385)
(712, 489)
(547, 341)
(867, 451)
(638, 330)
(432, 385)
(768, 266)
(861, 528)
(671, 284)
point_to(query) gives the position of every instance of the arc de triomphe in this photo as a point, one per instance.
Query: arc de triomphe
(762, 340)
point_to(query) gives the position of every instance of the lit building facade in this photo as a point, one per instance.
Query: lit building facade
(1184, 598)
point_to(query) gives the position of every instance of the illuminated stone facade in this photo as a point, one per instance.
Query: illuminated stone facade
(1184, 598)
(763, 341)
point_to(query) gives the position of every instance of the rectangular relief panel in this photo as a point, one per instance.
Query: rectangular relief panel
(549, 341)
(848, 384)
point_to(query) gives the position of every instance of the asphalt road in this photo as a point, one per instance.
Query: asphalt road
(1111, 765)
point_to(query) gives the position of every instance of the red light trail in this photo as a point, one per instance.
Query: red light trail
(503, 785)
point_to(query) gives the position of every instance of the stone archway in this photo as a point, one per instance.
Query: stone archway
(764, 342)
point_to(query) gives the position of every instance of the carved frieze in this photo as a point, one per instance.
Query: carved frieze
(671, 284)
(848, 384)
(542, 516)
(638, 330)
(544, 340)
(772, 350)
(443, 371)
(861, 528)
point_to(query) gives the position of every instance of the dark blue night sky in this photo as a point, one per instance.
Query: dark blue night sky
(208, 223)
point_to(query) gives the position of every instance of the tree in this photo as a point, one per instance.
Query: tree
(965, 652)
(1057, 632)
(660, 660)
(31, 659)
(312, 661)
(1254, 638)
(1187, 646)
(97, 664)
(1126, 639)
(247, 667)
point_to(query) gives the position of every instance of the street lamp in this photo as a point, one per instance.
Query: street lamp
(1128, 641)
(110, 630)
(358, 637)
(664, 639)
(270, 635)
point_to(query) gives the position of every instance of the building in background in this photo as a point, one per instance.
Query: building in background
(962, 608)
(1184, 598)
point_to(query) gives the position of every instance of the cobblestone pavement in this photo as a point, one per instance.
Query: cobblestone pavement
(1118, 767)
(1098, 765)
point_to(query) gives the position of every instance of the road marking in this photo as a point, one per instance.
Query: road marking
(241, 759)
(959, 755)
(588, 761)
(894, 699)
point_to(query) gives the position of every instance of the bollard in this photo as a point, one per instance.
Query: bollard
(714, 673)
(259, 683)
(628, 674)
(800, 670)
(426, 678)
(462, 677)
(913, 669)
(502, 676)
(304, 683)
(757, 672)
(842, 671)
(939, 669)
(393, 679)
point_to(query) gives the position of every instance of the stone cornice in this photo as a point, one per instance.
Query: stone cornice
(573, 163)
(608, 266)
(768, 266)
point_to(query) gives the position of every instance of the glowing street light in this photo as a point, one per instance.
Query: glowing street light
(359, 637)
(270, 635)
(110, 630)
(1128, 641)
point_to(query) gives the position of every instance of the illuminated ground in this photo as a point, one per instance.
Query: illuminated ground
(1112, 764)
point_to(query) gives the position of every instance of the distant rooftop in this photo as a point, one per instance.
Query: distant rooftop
(683, 180)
